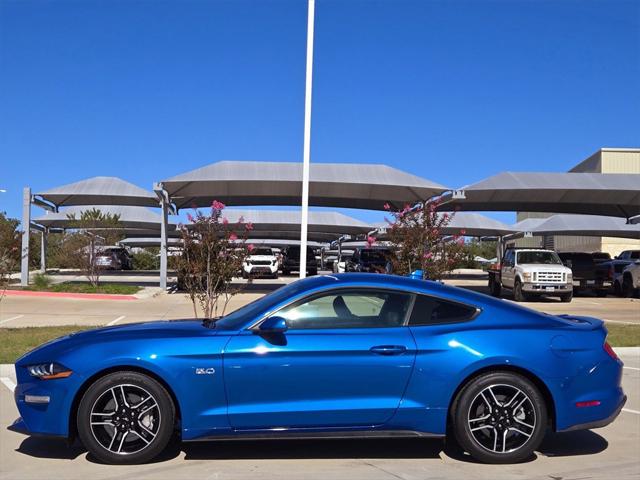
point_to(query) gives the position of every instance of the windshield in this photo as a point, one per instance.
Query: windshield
(262, 251)
(542, 257)
(250, 312)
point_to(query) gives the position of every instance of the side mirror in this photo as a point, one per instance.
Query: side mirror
(569, 263)
(273, 324)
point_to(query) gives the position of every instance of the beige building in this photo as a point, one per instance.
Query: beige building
(605, 160)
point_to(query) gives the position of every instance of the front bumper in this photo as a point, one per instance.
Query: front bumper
(547, 288)
(260, 269)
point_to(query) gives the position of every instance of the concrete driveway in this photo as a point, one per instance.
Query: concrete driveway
(607, 453)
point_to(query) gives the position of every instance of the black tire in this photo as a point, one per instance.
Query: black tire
(159, 426)
(285, 272)
(567, 297)
(494, 287)
(518, 295)
(487, 444)
(627, 286)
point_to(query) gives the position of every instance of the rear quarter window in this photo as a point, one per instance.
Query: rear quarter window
(436, 311)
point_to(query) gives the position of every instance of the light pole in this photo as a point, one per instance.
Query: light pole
(307, 141)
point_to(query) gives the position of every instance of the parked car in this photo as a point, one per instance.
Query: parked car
(329, 356)
(114, 258)
(372, 260)
(629, 255)
(587, 274)
(631, 280)
(261, 261)
(614, 274)
(291, 261)
(531, 272)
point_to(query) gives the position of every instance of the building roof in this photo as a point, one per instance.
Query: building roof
(615, 195)
(99, 191)
(244, 183)
(582, 225)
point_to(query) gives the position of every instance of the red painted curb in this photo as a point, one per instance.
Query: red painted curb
(86, 296)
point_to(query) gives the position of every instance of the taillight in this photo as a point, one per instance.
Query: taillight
(590, 403)
(609, 350)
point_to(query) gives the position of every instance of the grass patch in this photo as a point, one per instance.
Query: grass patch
(109, 288)
(621, 335)
(15, 342)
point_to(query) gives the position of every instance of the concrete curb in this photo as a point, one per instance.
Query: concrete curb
(84, 296)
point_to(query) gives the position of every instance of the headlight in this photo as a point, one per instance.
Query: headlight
(48, 371)
(526, 276)
(570, 277)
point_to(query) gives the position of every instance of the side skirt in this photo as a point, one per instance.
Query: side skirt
(301, 435)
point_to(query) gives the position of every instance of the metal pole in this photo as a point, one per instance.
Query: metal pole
(163, 243)
(307, 141)
(26, 230)
(43, 252)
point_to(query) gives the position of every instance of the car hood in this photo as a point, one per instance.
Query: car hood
(540, 266)
(146, 330)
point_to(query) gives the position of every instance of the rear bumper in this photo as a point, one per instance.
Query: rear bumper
(598, 423)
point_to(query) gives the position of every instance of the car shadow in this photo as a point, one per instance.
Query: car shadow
(554, 445)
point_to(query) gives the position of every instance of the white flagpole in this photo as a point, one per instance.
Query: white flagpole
(307, 142)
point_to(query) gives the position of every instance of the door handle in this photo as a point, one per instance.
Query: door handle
(388, 349)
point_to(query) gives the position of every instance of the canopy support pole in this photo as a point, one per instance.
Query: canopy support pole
(26, 230)
(307, 141)
(43, 252)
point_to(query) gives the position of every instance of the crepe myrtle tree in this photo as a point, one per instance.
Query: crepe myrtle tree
(91, 230)
(213, 253)
(415, 234)
(9, 250)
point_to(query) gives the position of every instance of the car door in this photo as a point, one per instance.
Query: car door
(345, 360)
(508, 266)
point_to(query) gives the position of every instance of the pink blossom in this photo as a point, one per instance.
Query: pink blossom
(216, 205)
(371, 240)
(233, 237)
(445, 216)
(387, 206)
(463, 232)
(225, 221)
(250, 247)
(428, 255)
(248, 226)
(190, 217)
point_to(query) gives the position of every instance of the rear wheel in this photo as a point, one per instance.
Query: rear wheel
(125, 417)
(499, 417)
(494, 287)
(627, 286)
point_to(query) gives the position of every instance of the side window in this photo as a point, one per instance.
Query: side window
(348, 309)
(435, 311)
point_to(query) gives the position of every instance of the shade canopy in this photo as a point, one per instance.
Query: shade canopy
(149, 242)
(583, 225)
(138, 219)
(365, 186)
(99, 191)
(470, 225)
(615, 195)
(285, 224)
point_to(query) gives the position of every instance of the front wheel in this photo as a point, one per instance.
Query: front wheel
(567, 297)
(518, 294)
(125, 418)
(499, 417)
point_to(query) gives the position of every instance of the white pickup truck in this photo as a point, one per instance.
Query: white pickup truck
(530, 272)
(631, 280)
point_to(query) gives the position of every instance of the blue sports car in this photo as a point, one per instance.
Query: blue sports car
(329, 356)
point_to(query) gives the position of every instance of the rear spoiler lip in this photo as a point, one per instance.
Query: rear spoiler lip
(581, 321)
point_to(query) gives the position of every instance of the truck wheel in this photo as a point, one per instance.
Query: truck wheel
(566, 298)
(627, 286)
(494, 287)
(518, 295)
(617, 289)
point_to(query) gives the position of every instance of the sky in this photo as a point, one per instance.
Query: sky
(453, 91)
